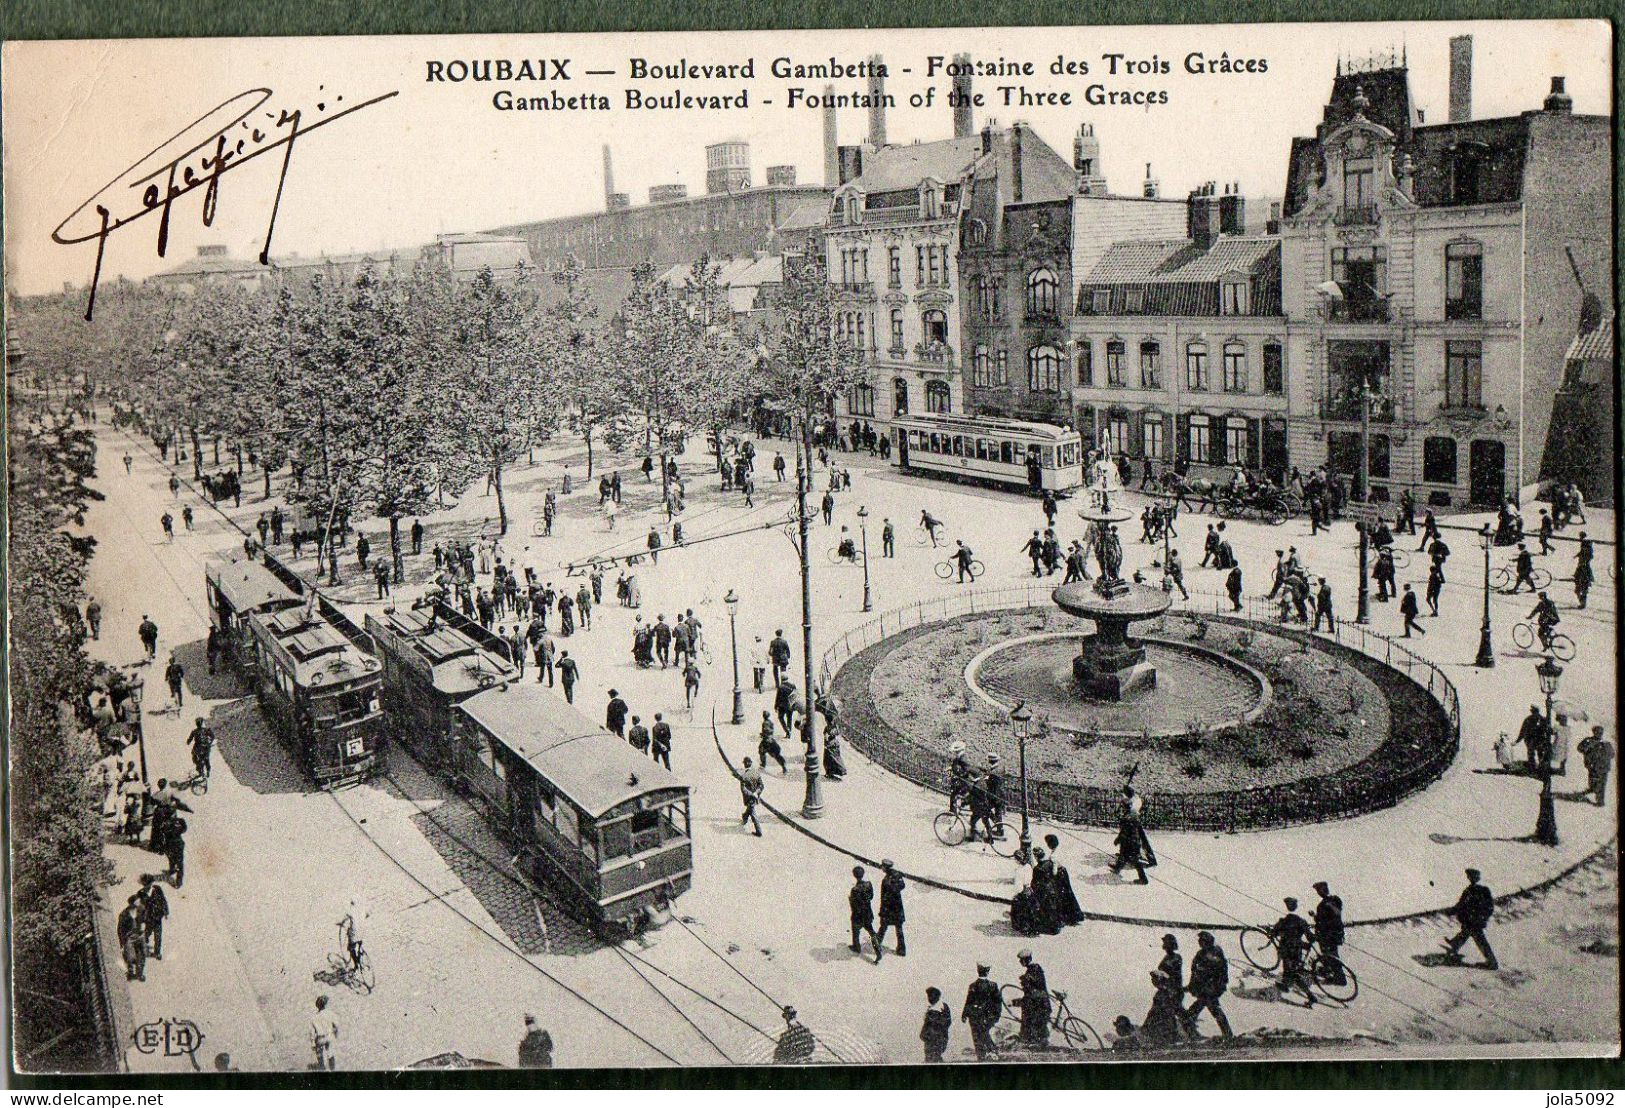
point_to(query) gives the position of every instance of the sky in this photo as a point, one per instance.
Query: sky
(438, 157)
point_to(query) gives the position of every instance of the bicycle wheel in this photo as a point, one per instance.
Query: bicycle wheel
(1563, 648)
(1323, 972)
(1542, 578)
(977, 568)
(1501, 579)
(834, 556)
(1079, 1034)
(363, 974)
(200, 786)
(945, 570)
(921, 537)
(1011, 996)
(1523, 636)
(1004, 844)
(1402, 560)
(950, 828)
(1258, 947)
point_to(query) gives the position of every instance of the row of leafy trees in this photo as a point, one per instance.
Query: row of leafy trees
(387, 392)
(57, 865)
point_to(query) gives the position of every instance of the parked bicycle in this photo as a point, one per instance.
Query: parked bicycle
(953, 828)
(1527, 638)
(1077, 1032)
(1330, 977)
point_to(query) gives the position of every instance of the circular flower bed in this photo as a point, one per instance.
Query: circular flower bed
(1248, 727)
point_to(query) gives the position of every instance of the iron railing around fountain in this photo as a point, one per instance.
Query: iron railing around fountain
(1269, 805)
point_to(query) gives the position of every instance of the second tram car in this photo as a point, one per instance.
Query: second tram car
(1038, 457)
(320, 692)
(605, 825)
(239, 588)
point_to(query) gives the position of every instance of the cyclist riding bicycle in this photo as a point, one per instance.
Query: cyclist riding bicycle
(931, 524)
(847, 550)
(352, 937)
(1546, 619)
(201, 740)
(958, 776)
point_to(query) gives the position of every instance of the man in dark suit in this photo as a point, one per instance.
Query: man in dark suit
(982, 1009)
(615, 714)
(860, 900)
(1329, 931)
(938, 1025)
(891, 907)
(1473, 910)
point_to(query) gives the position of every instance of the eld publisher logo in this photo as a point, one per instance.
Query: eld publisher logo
(170, 1037)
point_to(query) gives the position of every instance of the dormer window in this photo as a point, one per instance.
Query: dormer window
(1134, 301)
(930, 201)
(854, 208)
(1359, 184)
(1233, 298)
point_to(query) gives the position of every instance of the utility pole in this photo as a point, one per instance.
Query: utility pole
(1363, 475)
(812, 804)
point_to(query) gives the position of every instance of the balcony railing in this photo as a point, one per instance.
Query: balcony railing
(1347, 409)
(935, 354)
(1361, 215)
(1357, 311)
(856, 288)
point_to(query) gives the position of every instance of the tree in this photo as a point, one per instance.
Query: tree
(713, 359)
(647, 353)
(581, 359)
(807, 367)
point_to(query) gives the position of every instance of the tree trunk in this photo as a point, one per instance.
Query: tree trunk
(267, 481)
(587, 438)
(502, 507)
(395, 549)
(217, 450)
(238, 450)
(197, 456)
(332, 558)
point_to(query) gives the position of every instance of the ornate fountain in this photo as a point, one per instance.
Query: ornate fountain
(1110, 665)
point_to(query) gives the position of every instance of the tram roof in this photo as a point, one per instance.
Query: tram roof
(457, 664)
(247, 585)
(312, 650)
(591, 766)
(989, 425)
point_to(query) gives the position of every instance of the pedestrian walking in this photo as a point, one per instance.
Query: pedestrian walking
(660, 742)
(1036, 1006)
(891, 906)
(128, 463)
(1329, 933)
(324, 1033)
(1472, 911)
(750, 791)
(768, 746)
(638, 736)
(417, 536)
(201, 740)
(1408, 608)
(536, 1048)
(963, 558)
(1598, 754)
(568, 673)
(132, 939)
(154, 910)
(168, 523)
(888, 548)
(175, 678)
(1435, 587)
(380, 575)
(778, 651)
(93, 617)
(982, 1009)
(186, 516)
(860, 900)
(1175, 572)
(1210, 980)
(175, 852)
(1232, 586)
(938, 1025)
(615, 714)
(1292, 934)
(545, 665)
(1133, 846)
(758, 665)
(691, 683)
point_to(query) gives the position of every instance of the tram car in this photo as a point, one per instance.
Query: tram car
(602, 824)
(320, 689)
(239, 588)
(1037, 457)
(434, 659)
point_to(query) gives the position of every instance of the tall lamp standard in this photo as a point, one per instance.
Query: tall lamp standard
(1022, 719)
(732, 601)
(1362, 613)
(1486, 649)
(863, 529)
(1546, 823)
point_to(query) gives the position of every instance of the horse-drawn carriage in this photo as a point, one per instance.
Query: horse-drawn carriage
(1264, 501)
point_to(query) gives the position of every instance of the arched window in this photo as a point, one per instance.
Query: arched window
(1235, 367)
(1196, 368)
(984, 296)
(1044, 369)
(851, 209)
(936, 397)
(897, 331)
(935, 324)
(1041, 290)
(981, 367)
(899, 388)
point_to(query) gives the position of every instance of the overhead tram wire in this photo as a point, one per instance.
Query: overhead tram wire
(611, 560)
(684, 1016)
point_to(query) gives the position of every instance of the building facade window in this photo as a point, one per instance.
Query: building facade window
(1274, 369)
(1439, 460)
(1041, 291)
(935, 325)
(1102, 302)
(1464, 281)
(897, 329)
(1200, 447)
(981, 367)
(1152, 433)
(1463, 375)
(1150, 365)
(1117, 431)
(1115, 376)
(899, 390)
(1359, 184)
(936, 397)
(1001, 368)
(1044, 369)
(984, 296)
(863, 341)
(1235, 441)
(1362, 273)
(861, 400)
(1233, 298)
(894, 267)
(1235, 367)
(1196, 371)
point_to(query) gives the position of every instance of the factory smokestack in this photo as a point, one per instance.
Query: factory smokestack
(609, 181)
(832, 152)
(964, 123)
(1461, 78)
(877, 101)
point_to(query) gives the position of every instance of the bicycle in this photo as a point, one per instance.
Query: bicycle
(1505, 577)
(198, 784)
(948, 567)
(1527, 638)
(357, 975)
(1402, 558)
(836, 558)
(1321, 970)
(1077, 1032)
(953, 828)
(923, 536)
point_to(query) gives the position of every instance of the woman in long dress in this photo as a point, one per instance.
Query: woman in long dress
(1068, 910)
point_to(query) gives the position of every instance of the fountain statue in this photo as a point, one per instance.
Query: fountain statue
(1110, 666)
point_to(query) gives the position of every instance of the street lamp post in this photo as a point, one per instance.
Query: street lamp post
(1022, 719)
(863, 529)
(1546, 823)
(1486, 649)
(732, 601)
(1362, 613)
(812, 803)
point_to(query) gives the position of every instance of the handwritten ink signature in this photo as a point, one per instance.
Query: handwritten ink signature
(196, 157)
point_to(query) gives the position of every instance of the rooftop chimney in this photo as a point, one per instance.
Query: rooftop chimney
(1015, 160)
(609, 181)
(1461, 78)
(1273, 225)
(1232, 211)
(1152, 188)
(877, 102)
(987, 137)
(832, 154)
(1202, 216)
(1559, 100)
(964, 125)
